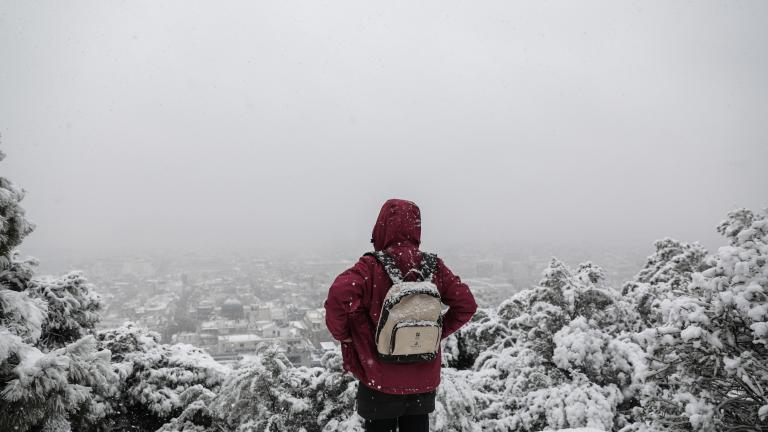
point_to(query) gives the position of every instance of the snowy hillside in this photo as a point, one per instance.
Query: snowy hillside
(682, 346)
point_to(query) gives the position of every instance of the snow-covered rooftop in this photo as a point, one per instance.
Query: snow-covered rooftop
(327, 346)
(235, 338)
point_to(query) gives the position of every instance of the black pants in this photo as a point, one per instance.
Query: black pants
(406, 423)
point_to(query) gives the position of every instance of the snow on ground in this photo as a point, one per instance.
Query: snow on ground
(579, 430)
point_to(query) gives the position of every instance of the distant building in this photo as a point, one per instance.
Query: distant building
(300, 326)
(209, 327)
(317, 355)
(224, 327)
(154, 312)
(208, 340)
(204, 310)
(238, 343)
(317, 332)
(315, 319)
(187, 338)
(259, 313)
(327, 346)
(272, 330)
(232, 309)
(279, 315)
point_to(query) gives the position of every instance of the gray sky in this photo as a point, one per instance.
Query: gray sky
(277, 125)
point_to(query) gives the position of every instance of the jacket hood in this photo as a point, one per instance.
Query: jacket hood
(399, 223)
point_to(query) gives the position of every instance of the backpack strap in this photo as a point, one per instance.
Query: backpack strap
(428, 266)
(427, 270)
(389, 265)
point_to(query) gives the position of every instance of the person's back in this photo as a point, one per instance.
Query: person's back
(389, 392)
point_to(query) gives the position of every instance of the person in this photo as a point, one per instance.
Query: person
(391, 395)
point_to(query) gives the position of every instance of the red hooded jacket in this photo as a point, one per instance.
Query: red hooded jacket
(355, 298)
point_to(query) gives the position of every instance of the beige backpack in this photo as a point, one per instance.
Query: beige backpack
(411, 321)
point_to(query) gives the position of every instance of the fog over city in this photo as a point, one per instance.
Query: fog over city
(569, 201)
(277, 127)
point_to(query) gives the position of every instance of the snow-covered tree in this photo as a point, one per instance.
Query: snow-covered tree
(65, 388)
(459, 402)
(461, 349)
(14, 226)
(667, 274)
(554, 356)
(73, 308)
(269, 394)
(21, 317)
(331, 395)
(42, 389)
(157, 381)
(196, 416)
(709, 355)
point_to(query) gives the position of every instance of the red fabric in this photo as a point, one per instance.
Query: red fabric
(355, 298)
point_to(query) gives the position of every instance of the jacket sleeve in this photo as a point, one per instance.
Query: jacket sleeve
(456, 294)
(345, 296)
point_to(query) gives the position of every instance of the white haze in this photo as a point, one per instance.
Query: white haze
(277, 126)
